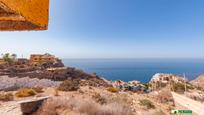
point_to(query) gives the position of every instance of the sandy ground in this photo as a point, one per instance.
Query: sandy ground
(11, 108)
(195, 106)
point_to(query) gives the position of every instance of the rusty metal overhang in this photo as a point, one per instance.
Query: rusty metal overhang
(19, 15)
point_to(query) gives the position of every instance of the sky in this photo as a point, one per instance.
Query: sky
(115, 29)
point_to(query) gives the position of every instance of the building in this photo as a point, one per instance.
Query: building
(39, 59)
(160, 80)
(22, 61)
(166, 78)
(2, 62)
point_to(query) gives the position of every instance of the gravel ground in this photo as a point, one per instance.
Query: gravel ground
(7, 83)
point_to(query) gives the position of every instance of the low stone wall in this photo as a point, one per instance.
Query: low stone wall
(30, 106)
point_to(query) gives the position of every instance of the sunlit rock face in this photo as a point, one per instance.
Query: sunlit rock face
(18, 15)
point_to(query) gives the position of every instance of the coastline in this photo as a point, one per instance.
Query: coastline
(137, 69)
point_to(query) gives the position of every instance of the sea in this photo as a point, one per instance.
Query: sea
(138, 69)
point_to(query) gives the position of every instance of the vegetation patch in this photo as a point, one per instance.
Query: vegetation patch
(75, 106)
(69, 85)
(25, 92)
(159, 113)
(113, 90)
(6, 96)
(178, 87)
(38, 89)
(147, 103)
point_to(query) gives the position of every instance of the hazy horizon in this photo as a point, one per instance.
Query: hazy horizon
(115, 29)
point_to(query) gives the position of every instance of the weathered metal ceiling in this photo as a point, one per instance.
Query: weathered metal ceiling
(19, 15)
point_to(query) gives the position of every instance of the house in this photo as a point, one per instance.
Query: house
(22, 61)
(118, 84)
(39, 59)
(160, 80)
(2, 62)
(167, 78)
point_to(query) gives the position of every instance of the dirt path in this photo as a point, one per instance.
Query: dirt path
(10, 109)
(188, 103)
(13, 107)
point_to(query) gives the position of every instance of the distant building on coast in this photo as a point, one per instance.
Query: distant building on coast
(22, 61)
(2, 61)
(39, 59)
(166, 78)
(160, 80)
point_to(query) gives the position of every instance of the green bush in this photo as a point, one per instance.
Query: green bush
(25, 92)
(69, 85)
(113, 90)
(147, 103)
(6, 96)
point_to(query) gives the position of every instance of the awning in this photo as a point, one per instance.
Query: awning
(18, 15)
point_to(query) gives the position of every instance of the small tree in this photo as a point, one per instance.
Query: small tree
(9, 58)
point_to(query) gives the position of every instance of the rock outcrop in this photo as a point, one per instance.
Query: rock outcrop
(199, 81)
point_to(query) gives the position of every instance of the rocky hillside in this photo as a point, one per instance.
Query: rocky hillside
(199, 81)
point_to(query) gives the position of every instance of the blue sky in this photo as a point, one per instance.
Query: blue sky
(116, 29)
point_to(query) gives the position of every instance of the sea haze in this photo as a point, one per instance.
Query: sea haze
(138, 69)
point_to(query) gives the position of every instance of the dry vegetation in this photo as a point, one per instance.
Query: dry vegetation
(25, 92)
(38, 89)
(6, 96)
(164, 99)
(147, 104)
(113, 90)
(75, 106)
(69, 85)
(99, 101)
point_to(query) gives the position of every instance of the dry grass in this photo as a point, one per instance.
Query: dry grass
(164, 96)
(113, 90)
(38, 89)
(6, 96)
(75, 106)
(69, 85)
(147, 103)
(25, 92)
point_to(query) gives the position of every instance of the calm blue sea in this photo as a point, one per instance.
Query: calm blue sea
(138, 69)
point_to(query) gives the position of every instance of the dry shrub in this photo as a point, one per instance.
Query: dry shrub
(113, 90)
(56, 92)
(160, 112)
(6, 96)
(59, 105)
(178, 87)
(38, 89)
(147, 103)
(101, 99)
(69, 85)
(25, 92)
(165, 96)
(116, 109)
